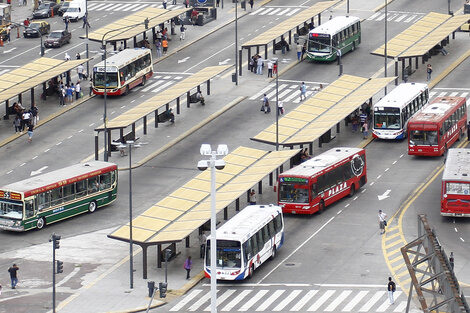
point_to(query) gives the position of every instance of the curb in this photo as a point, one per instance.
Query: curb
(186, 134)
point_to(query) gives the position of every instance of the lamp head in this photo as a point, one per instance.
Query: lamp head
(222, 149)
(219, 164)
(206, 149)
(202, 165)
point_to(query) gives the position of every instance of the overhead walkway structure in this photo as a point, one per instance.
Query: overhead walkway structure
(419, 39)
(154, 104)
(287, 26)
(133, 25)
(188, 208)
(27, 77)
(316, 116)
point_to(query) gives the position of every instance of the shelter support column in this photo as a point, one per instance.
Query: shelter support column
(109, 142)
(7, 107)
(338, 128)
(240, 58)
(188, 99)
(249, 58)
(177, 105)
(187, 242)
(319, 142)
(20, 98)
(274, 48)
(199, 88)
(208, 87)
(260, 187)
(153, 34)
(96, 145)
(32, 95)
(156, 118)
(121, 135)
(133, 130)
(403, 69)
(135, 42)
(310, 148)
(237, 204)
(159, 256)
(114, 46)
(225, 213)
(396, 72)
(319, 19)
(144, 261)
(270, 179)
(281, 168)
(145, 125)
(265, 51)
(417, 62)
(290, 37)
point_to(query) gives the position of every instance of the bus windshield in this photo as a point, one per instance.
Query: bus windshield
(319, 43)
(228, 254)
(421, 137)
(294, 192)
(458, 188)
(112, 79)
(387, 118)
(11, 209)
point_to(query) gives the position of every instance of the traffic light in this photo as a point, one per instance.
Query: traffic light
(146, 21)
(162, 287)
(56, 241)
(60, 267)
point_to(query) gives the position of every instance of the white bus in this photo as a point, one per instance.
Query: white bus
(392, 112)
(124, 71)
(341, 32)
(246, 241)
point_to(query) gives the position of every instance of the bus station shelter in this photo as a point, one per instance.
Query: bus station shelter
(157, 102)
(133, 25)
(28, 76)
(278, 31)
(419, 39)
(188, 208)
(316, 116)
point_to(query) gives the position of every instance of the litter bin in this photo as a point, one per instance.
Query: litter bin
(200, 19)
(234, 77)
(151, 286)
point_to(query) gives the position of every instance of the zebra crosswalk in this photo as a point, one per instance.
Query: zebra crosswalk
(396, 16)
(160, 82)
(280, 11)
(128, 7)
(232, 299)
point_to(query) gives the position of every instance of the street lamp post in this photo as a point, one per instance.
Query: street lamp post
(236, 42)
(86, 34)
(277, 103)
(385, 47)
(213, 164)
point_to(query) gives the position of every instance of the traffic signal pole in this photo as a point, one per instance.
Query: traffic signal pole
(57, 266)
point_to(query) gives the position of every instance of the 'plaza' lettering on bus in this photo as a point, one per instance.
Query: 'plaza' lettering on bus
(337, 189)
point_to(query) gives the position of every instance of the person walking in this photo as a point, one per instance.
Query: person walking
(30, 132)
(165, 45)
(280, 108)
(66, 57)
(429, 72)
(365, 130)
(183, 33)
(173, 2)
(158, 48)
(186, 3)
(26, 120)
(202, 244)
(265, 108)
(270, 68)
(13, 275)
(78, 91)
(391, 287)
(299, 51)
(66, 21)
(78, 56)
(252, 197)
(8, 33)
(468, 131)
(35, 113)
(62, 95)
(303, 91)
(85, 21)
(218, 3)
(164, 4)
(251, 4)
(17, 123)
(80, 70)
(188, 264)
(382, 221)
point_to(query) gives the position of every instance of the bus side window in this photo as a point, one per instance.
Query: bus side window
(105, 181)
(248, 251)
(259, 239)
(80, 187)
(29, 208)
(56, 196)
(278, 223)
(254, 245)
(265, 231)
(69, 192)
(272, 229)
(93, 185)
(43, 200)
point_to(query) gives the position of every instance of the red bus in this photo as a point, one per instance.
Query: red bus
(455, 190)
(439, 124)
(322, 180)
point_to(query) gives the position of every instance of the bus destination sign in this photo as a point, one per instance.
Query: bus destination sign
(293, 179)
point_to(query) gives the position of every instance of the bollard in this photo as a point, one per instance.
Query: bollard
(151, 286)
(17, 32)
(52, 12)
(1, 41)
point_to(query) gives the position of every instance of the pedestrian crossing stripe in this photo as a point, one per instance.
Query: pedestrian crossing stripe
(329, 300)
(128, 7)
(395, 16)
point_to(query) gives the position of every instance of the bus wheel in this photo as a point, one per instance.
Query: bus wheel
(273, 254)
(352, 191)
(41, 223)
(92, 206)
(144, 80)
(321, 206)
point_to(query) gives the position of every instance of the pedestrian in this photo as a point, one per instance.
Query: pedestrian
(304, 50)
(77, 56)
(382, 221)
(363, 117)
(451, 260)
(8, 33)
(183, 34)
(468, 131)
(251, 4)
(66, 21)
(365, 130)
(266, 107)
(251, 64)
(303, 91)
(17, 123)
(78, 91)
(186, 3)
(188, 264)
(270, 68)
(165, 45)
(25, 120)
(280, 108)
(391, 287)
(30, 132)
(202, 243)
(173, 2)
(299, 51)
(275, 68)
(69, 93)
(259, 67)
(26, 22)
(85, 20)
(35, 113)
(158, 48)
(194, 14)
(25, 3)
(429, 72)
(66, 57)
(80, 70)
(218, 3)
(164, 4)
(13, 275)
(252, 197)
(62, 94)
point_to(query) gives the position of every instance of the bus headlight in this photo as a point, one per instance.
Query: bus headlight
(306, 207)
(445, 195)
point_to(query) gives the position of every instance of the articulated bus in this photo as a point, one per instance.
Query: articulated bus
(455, 190)
(51, 197)
(322, 180)
(439, 124)
(392, 112)
(124, 71)
(246, 241)
(341, 33)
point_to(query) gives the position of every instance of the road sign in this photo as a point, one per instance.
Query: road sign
(201, 1)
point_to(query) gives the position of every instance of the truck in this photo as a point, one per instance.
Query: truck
(76, 10)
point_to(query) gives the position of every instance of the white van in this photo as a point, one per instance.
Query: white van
(76, 10)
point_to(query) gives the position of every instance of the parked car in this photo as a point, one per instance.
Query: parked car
(57, 38)
(36, 29)
(64, 6)
(44, 10)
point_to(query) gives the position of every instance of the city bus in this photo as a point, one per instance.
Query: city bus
(124, 71)
(57, 195)
(342, 33)
(246, 241)
(455, 189)
(439, 124)
(392, 112)
(322, 180)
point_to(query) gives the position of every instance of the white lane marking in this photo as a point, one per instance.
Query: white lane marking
(351, 304)
(270, 300)
(303, 301)
(23, 164)
(401, 17)
(186, 300)
(57, 144)
(376, 297)
(332, 306)
(386, 304)
(386, 170)
(287, 300)
(236, 300)
(371, 183)
(9, 172)
(222, 298)
(253, 300)
(47, 150)
(80, 130)
(69, 136)
(199, 302)
(292, 12)
(35, 157)
(394, 162)
(378, 177)
(324, 297)
(410, 19)
(91, 124)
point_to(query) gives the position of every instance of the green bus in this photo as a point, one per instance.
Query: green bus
(341, 33)
(51, 197)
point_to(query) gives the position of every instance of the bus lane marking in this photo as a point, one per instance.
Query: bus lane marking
(378, 177)
(394, 162)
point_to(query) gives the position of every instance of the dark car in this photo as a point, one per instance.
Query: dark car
(57, 38)
(44, 10)
(36, 29)
(63, 7)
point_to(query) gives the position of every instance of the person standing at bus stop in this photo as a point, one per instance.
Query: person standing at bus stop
(382, 221)
(188, 264)
(429, 72)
